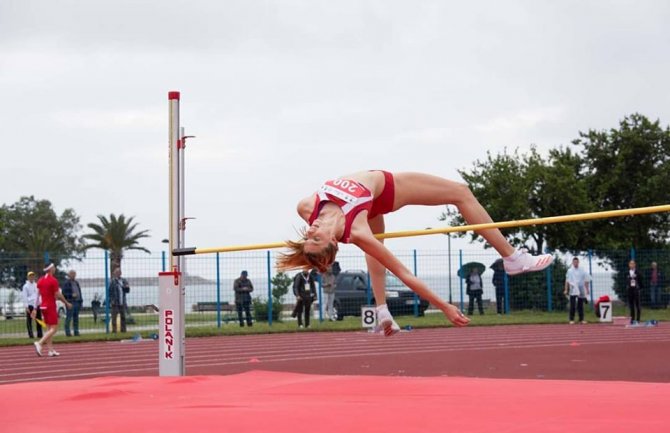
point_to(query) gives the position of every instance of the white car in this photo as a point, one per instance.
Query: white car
(17, 309)
(14, 309)
(62, 311)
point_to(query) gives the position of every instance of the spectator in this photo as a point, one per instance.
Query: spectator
(577, 288)
(49, 291)
(634, 284)
(474, 290)
(118, 289)
(95, 307)
(31, 299)
(499, 284)
(304, 287)
(336, 268)
(297, 309)
(328, 286)
(243, 288)
(72, 292)
(656, 286)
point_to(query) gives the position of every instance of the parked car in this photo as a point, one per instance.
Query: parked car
(62, 311)
(17, 309)
(351, 294)
(13, 309)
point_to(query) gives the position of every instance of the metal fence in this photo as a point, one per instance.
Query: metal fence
(210, 300)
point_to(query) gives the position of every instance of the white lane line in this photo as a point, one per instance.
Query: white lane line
(214, 360)
(325, 339)
(201, 349)
(209, 351)
(38, 377)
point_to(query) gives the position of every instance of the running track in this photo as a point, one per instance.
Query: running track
(581, 352)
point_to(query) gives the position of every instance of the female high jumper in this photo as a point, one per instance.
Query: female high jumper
(351, 209)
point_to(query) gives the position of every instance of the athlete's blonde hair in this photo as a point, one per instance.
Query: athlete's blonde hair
(299, 258)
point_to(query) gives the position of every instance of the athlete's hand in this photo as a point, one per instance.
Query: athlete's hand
(455, 315)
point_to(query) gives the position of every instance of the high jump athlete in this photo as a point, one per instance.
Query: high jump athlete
(351, 209)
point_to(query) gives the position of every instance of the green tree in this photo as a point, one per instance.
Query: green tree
(523, 186)
(629, 167)
(116, 235)
(620, 168)
(30, 229)
(529, 291)
(280, 284)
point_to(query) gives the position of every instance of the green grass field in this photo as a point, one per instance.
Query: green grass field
(204, 324)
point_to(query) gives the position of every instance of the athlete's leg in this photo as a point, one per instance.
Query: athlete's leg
(425, 189)
(47, 337)
(378, 280)
(377, 270)
(429, 190)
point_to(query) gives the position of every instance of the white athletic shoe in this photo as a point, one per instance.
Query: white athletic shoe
(38, 348)
(386, 322)
(53, 353)
(527, 263)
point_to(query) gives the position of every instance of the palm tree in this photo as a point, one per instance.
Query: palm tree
(115, 235)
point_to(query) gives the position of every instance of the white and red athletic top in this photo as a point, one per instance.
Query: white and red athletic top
(351, 196)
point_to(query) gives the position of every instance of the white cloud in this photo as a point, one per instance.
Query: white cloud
(287, 92)
(522, 120)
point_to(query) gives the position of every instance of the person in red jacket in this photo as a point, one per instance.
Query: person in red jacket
(49, 292)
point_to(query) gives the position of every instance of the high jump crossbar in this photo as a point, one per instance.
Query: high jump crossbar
(445, 230)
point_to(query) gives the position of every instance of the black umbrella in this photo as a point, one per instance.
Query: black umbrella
(498, 265)
(467, 268)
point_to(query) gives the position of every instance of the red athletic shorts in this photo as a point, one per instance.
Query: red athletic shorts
(383, 204)
(50, 315)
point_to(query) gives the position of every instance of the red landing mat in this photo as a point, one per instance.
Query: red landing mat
(262, 401)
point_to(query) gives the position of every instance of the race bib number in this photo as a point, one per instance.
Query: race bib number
(346, 190)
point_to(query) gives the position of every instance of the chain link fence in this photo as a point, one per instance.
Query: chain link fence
(210, 299)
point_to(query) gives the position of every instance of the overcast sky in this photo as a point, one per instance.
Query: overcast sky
(285, 94)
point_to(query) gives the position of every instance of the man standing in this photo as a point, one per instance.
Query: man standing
(118, 288)
(577, 288)
(72, 292)
(304, 287)
(499, 284)
(475, 290)
(49, 292)
(243, 288)
(31, 299)
(328, 285)
(634, 284)
(656, 286)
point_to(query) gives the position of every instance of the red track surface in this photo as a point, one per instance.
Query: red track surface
(589, 352)
(346, 390)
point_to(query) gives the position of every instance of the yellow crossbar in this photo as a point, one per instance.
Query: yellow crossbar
(444, 230)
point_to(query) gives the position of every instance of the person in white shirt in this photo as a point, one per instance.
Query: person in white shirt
(577, 288)
(31, 300)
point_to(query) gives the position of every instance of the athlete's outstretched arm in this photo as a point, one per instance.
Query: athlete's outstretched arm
(370, 245)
